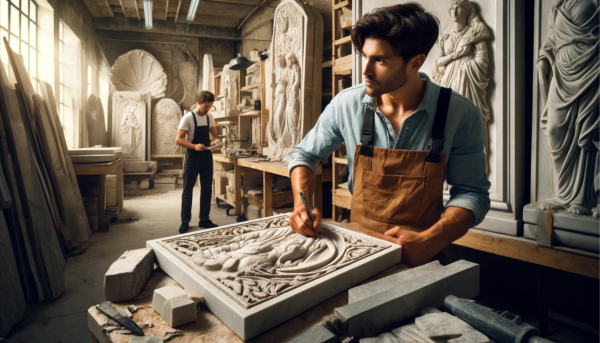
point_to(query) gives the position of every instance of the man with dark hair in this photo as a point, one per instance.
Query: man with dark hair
(404, 135)
(193, 134)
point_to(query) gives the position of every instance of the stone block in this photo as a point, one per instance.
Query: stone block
(145, 184)
(253, 212)
(139, 167)
(111, 181)
(372, 288)
(128, 275)
(164, 187)
(174, 305)
(370, 316)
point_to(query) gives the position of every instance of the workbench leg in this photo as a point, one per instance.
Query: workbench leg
(542, 299)
(336, 211)
(120, 188)
(238, 190)
(318, 197)
(267, 194)
(102, 222)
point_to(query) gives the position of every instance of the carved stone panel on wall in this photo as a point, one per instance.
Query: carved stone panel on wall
(230, 88)
(165, 121)
(296, 50)
(95, 122)
(130, 124)
(258, 268)
(138, 71)
(462, 58)
(185, 69)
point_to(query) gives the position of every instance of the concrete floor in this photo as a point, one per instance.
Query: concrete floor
(65, 319)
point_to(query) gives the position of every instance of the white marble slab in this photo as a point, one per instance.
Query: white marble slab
(336, 261)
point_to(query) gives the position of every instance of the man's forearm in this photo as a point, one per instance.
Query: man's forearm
(303, 180)
(184, 143)
(454, 224)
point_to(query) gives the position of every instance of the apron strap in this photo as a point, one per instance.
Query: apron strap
(367, 134)
(436, 142)
(194, 117)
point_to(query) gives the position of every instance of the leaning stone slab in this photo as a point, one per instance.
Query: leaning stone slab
(370, 316)
(393, 281)
(128, 275)
(174, 305)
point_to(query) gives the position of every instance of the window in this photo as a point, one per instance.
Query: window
(90, 76)
(61, 72)
(18, 24)
(70, 87)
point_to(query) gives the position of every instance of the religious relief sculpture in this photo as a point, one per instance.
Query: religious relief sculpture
(294, 54)
(462, 62)
(260, 260)
(138, 71)
(568, 70)
(165, 121)
(130, 124)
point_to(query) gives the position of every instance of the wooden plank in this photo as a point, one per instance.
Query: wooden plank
(345, 3)
(92, 8)
(238, 189)
(179, 5)
(130, 9)
(221, 158)
(342, 198)
(104, 8)
(267, 194)
(327, 64)
(251, 87)
(97, 168)
(160, 8)
(526, 250)
(341, 160)
(342, 65)
(342, 41)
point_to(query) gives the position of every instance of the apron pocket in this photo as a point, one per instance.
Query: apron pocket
(394, 199)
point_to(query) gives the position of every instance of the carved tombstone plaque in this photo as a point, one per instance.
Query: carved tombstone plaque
(138, 71)
(130, 124)
(95, 122)
(296, 52)
(260, 273)
(208, 75)
(165, 121)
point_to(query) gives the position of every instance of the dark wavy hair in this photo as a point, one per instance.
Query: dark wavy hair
(205, 96)
(408, 28)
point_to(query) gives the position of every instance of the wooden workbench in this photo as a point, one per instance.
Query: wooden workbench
(115, 167)
(208, 328)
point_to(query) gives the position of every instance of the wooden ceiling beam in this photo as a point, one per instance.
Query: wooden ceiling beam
(104, 8)
(130, 9)
(178, 10)
(92, 8)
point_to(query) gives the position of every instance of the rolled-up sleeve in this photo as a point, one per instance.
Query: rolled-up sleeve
(320, 142)
(466, 168)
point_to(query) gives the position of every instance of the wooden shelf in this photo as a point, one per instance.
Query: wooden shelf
(345, 3)
(251, 87)
(327, 64)
(340, 160)
(342, 198)
(342, 65)
(342, 41)
(523, 249)
(219, 74)
(250, 114)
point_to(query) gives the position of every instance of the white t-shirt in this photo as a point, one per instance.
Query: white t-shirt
(187, 123)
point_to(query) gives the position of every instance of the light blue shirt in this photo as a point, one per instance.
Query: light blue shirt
(342, 121)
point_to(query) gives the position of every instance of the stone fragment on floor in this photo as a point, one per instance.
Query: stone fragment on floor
(128, 275)
(174, 305)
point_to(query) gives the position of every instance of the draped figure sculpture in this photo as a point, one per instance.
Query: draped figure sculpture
(292, 109)
(568, 70)
(462, 62)
(279, 81)
(132, 132)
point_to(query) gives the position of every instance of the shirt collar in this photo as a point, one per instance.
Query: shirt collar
(425, 105)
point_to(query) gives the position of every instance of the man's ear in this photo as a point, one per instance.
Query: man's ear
(416, 63)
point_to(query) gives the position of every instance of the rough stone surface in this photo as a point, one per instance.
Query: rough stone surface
(138, 71)
(369, 316)
(372, 288)
(444, 325)
(127, 276)
(174, 305)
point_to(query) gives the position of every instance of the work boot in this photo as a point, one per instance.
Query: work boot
(207, 224)
(184, 227)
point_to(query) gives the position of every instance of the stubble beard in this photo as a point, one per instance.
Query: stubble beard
(391, 84)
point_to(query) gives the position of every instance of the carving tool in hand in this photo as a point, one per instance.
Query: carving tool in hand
(306, 205)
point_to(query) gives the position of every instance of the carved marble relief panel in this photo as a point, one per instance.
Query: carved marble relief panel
(130, 124)
(258, 261)
(184, 76)
(165, 121)
(138, 71)
(294, 55)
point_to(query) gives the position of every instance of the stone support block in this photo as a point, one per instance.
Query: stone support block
(128, 275)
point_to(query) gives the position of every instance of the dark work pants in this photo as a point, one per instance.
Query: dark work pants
(197, 163)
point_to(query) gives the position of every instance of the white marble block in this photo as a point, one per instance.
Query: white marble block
(258, 274)
(174, 305)
(128, 275)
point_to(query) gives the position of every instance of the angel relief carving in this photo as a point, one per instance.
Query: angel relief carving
(258, 261)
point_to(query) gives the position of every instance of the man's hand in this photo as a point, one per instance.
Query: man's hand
(300, 221)
(415, 248)
(200, 147)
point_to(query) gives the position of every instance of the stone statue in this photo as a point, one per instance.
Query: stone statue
(568, 70)
(462, 62)
(132, 132)
(279, 83)
(292, 108)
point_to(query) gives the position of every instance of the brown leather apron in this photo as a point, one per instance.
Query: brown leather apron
(394, 187)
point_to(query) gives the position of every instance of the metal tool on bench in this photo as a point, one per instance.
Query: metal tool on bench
(502, 327)
(113, 313)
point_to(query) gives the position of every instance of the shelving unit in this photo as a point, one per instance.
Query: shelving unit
(341, 51)
(341, 197)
